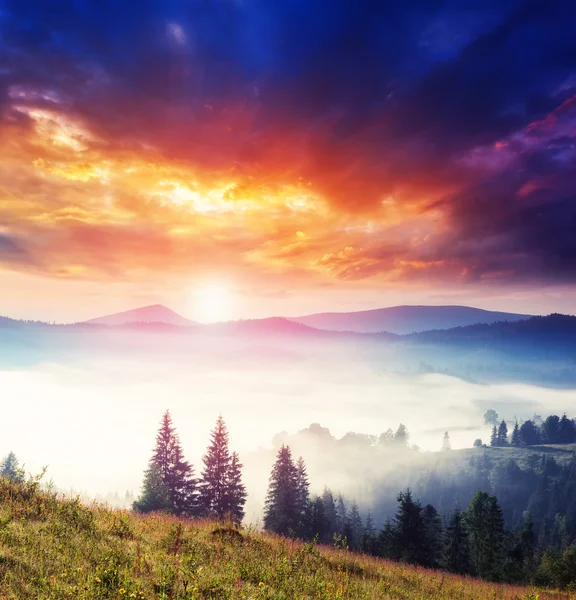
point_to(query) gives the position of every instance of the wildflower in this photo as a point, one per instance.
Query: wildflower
(97, 580)
(195, 589)
(79, 569)
(132, 595)
(261, 584)
(63, 575)
(121, 591)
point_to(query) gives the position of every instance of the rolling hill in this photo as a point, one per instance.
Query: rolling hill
(404, 320)
(59, 548)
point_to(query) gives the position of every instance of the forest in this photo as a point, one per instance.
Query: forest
(502, 520)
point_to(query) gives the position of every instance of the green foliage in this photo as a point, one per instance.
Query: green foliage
(282, 513)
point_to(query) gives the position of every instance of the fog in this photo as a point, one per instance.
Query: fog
(94, 422)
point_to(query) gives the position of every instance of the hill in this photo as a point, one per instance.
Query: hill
(156, 313)
(58, 548)
(403, 320)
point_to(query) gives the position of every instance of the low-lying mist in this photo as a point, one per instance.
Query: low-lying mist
(93, 421)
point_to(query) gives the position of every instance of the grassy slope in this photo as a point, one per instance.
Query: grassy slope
(52, 548)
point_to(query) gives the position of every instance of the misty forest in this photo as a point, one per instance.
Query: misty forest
(505, 511)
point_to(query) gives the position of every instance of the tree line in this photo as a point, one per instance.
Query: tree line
(532, 432)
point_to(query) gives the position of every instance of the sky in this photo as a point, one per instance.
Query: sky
(286, 157)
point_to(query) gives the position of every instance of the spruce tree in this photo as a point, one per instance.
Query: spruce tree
(456, 549)
(181, 484)
(434, 535)
(341, 514)
(354, 527)
(330, 510)
(368, 539)
(485, 526)
(302, 497)
(176, 475)
(154, 495)
(494, 436)
(213, 483)
(502, 436)
(446, 442)
(235, 494)
(281, 510)
(516, 439)
(319, 525)
(10, 469)
(410, 531)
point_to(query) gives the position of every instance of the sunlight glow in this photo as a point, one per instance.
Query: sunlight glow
(212, 303)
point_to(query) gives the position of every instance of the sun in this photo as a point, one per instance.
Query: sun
(212, 303)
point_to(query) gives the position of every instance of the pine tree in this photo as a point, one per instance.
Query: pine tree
(181, 484)
(154, 495)
(354, 527)
(341, 514)
(386, 542)
(175, 473)
(330, 511)
(434, 535)
(302, 497)
(494, 436)
(446, 442)
(368, 539)
(566, 430)
(485, 526)
(235, 495)
(281, 511)
(410, 531)
(402, 436)
(165, 441)
(213, 484)
(319, 525)
(516, 439)
(10, 469)
(456, 550)
(502, 436)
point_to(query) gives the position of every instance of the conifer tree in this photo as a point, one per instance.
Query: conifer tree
(175, 473)
(214, 481)
(434, 535)
(410, 531)
(516, 439)
(456, 550)
(281, 511)
(330, 510)
(319, 525)
(302, 497)
(446, 442)
(154, 495)
(485, 526)
(235, 496)
(402, 436)
(494, 436)
(10, 468)
(386, 542)
(341, 515)
(368, 539)
(354, 527)
(502, 434)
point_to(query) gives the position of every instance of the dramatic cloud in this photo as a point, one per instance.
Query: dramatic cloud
(312, 141)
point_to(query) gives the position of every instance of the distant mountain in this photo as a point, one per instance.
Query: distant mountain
(276, 326)
(404, 320)
(156, 313)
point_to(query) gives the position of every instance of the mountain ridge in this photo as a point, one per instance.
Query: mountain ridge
(407, 319)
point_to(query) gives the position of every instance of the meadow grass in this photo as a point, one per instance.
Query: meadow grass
(55, 548)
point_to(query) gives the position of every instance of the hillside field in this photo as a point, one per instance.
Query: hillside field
(54, 548)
